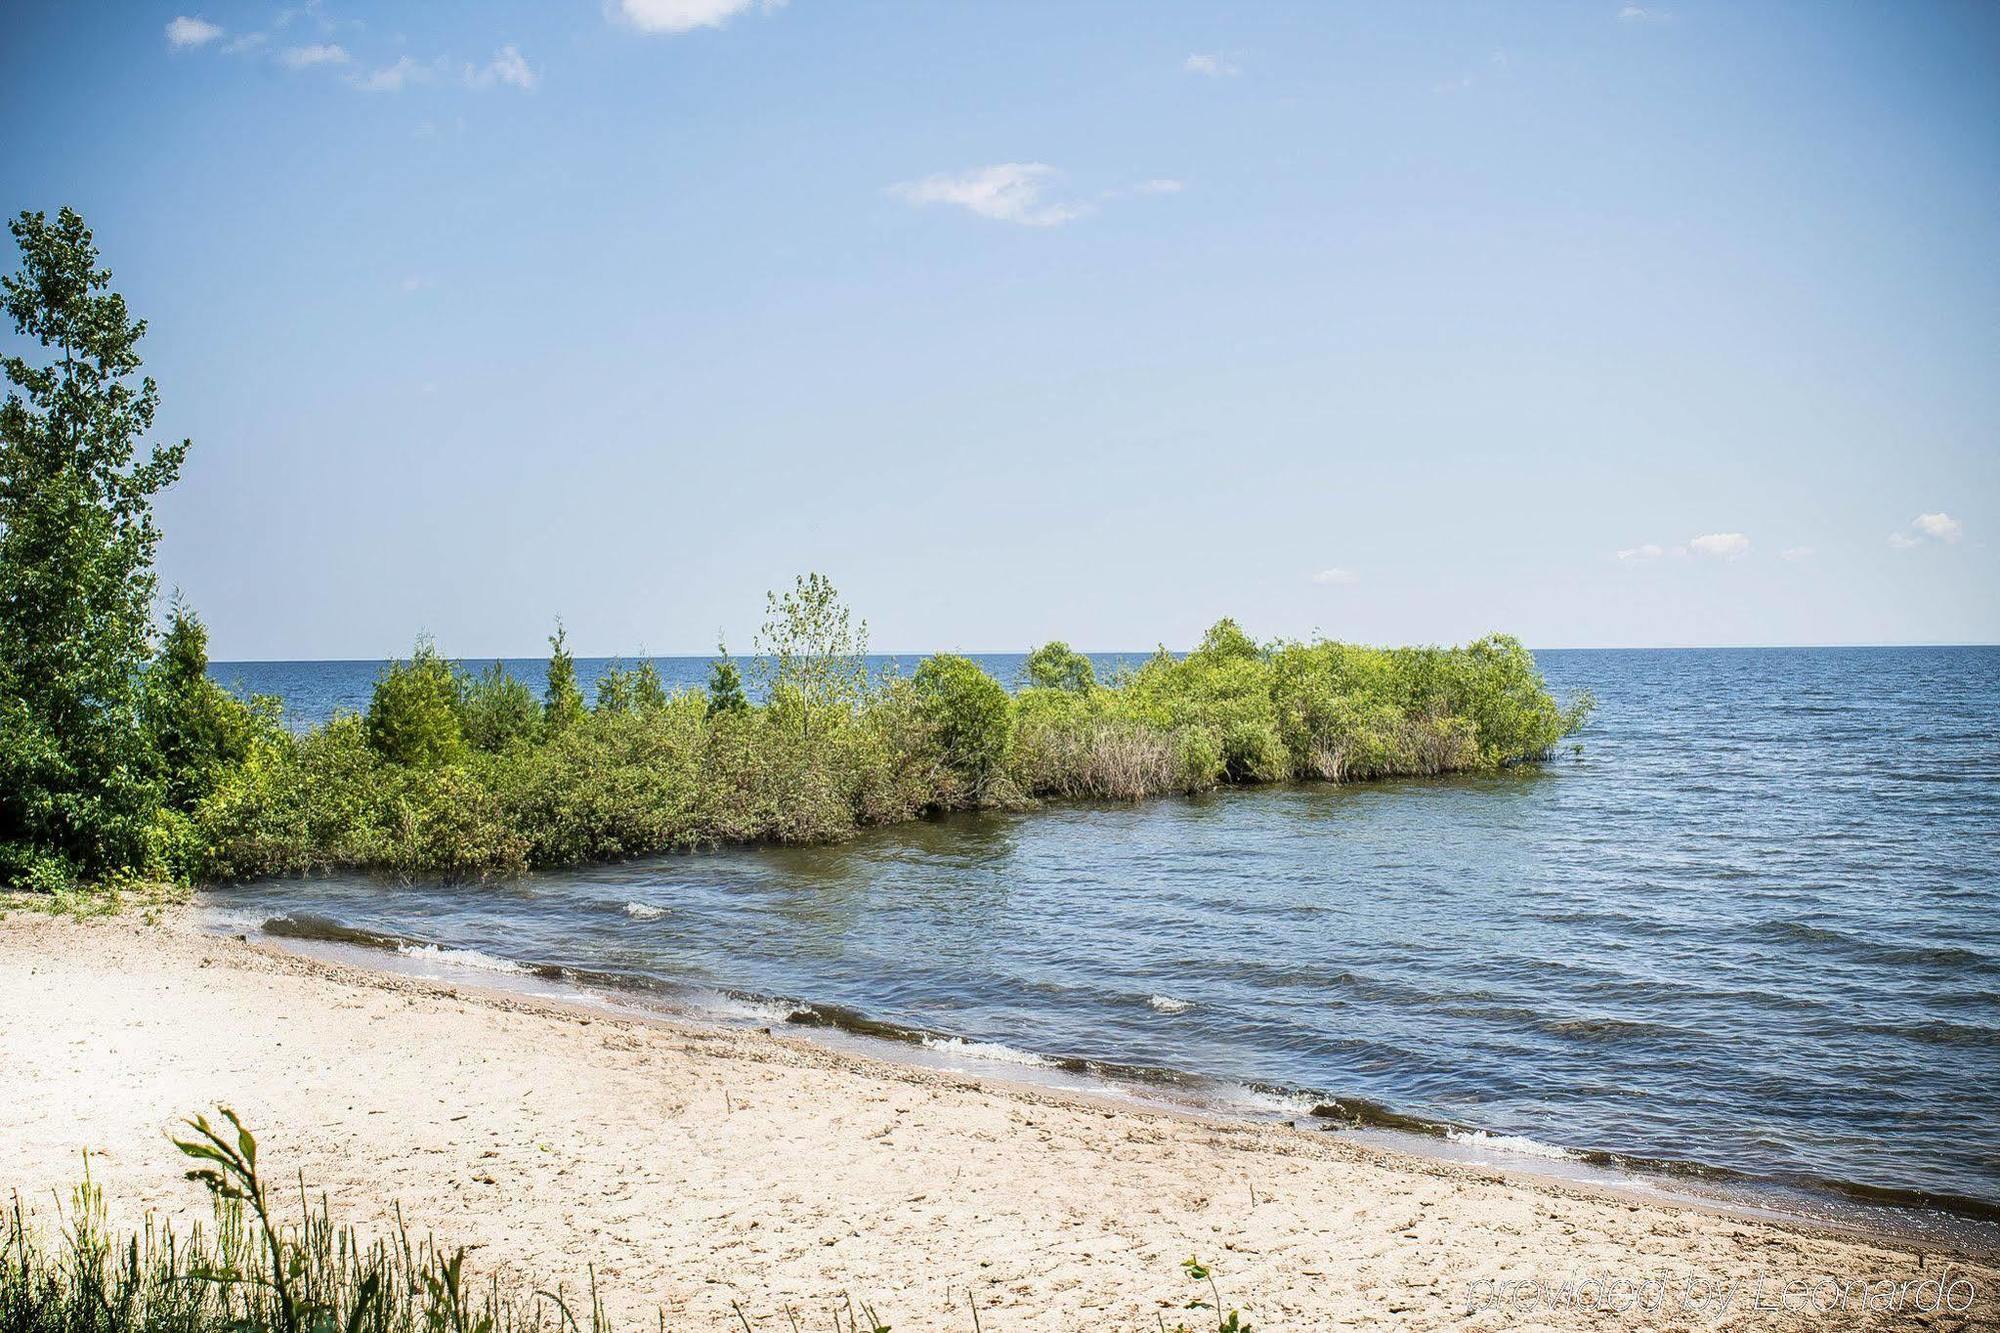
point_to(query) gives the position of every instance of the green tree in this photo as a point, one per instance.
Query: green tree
(812, 655)
(78, 789)
(197, 729)
(1226, 642)
(725, 685)
(562, 701)
(1057, 666)
(649, 692)
(413, 716)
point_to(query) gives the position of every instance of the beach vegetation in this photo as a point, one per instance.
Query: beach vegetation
(414, 715)
(1057, 666)
(496, 709)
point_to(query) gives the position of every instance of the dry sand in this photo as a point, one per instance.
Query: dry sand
(694, 1167)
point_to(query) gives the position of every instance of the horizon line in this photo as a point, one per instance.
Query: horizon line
(1106, 652)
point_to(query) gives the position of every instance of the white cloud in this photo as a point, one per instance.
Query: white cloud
(1938, 527)
(1215, 66)
(1336, 577)
(185, 32)
(1160, 185)
(1719, 545)
(1005, 192)
(1650, 551)
(393, 78)
(508, 67)
(678, 16)
(1641, 14)
(319, 53)
(1796, 553)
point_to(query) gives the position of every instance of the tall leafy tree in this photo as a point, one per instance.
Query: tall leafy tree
(77, 784)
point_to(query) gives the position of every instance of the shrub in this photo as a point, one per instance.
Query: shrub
(197, 730)
(495, 710)
(970, 717)
(1057, 666)
(725, 688)
(413, 716)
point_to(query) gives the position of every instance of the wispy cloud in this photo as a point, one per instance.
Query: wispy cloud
(507, 67)
(1796, 553)
(185, 32)
(1939, 527)
(318, 53)
(1160, 185)
(394, 78)
(678, 16)
(1004, 192)
(1213, 65)
(1641, 14)
(1720, 545)
(1712, 545)
(245, 43)
(1336, 577)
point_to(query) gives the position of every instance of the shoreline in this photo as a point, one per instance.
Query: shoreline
(694, 1166)
(1969, 1224)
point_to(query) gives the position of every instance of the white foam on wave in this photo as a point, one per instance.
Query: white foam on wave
(983, 1050)
(644, 911)
(1167, 1004)
(723, 1007)
(468, 958)
(1509, 1143)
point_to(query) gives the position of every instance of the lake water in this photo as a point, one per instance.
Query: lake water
(1750, 932)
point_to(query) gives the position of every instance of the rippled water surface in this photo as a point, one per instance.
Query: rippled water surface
(1752, 926)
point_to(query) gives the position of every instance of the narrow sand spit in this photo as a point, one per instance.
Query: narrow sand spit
(697, 1167)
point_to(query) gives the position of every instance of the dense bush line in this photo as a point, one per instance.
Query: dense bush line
(462, 776)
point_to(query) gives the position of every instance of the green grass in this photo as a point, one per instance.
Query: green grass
(253, 1270)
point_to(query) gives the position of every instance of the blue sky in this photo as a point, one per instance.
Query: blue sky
(1600, 323)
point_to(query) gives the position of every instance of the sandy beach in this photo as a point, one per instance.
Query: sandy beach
(697, 1168)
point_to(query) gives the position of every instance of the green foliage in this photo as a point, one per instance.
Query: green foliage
(198, 731)
(79, 787)
(562, 701)
(1057, 666)
(725, 685)
(495, 710)
(971, 717)
(812, 655)
(413, 717)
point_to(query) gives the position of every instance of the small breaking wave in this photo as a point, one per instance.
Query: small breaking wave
(644, 911)
(467, 958)
(1167, 1004)
(985, 1050)
(1517, 1144)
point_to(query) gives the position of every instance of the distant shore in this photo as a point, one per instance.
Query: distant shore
(696, 1167)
